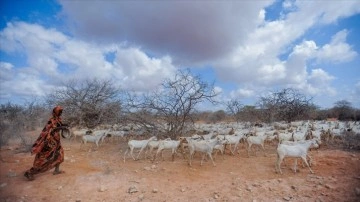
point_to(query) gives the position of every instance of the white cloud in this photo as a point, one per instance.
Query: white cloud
(261, 16)
(47, 57)
(6, 65)
(337, 50)
(36, 42)
(271, 74)
(87, 59)
(288, 4)
(22, 83)
(242, 93)
(331, 12)
(319, 83)
(143, 73)
(296, 67)
(257, 62)
(218, 90)
(5, 71)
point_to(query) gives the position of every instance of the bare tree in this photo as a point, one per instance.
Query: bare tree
(234, 108)
(89, 102)
(11, 122)
(287, 104)
(15, 120)
(343, 110)
(171, 106)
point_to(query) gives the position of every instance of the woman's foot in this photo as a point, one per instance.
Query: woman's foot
(29, 176)
(56, 172)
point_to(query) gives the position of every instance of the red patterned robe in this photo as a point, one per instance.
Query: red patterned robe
(47, 147)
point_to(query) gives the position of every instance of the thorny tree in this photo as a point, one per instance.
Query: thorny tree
(89, 102)
(16, 119)
(234, 108)
(287, 104)
(171, 106)
(343, 110)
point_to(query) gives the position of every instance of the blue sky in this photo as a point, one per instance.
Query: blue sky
(249, 48)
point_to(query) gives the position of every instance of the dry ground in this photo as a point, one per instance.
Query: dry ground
(99, 174)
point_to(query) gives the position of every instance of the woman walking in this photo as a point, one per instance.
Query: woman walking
(47, 147)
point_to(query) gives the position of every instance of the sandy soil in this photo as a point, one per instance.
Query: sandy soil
(99, 174)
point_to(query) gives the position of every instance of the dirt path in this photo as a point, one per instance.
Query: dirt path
(101, 175)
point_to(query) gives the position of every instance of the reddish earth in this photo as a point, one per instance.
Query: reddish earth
(99, 174)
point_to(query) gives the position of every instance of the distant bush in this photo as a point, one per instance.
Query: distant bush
(15, 120)
(348, 141)
(351, 141)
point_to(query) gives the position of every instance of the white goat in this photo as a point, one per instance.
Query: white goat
(297, 150)
(102, 133)
(301, 133)
(232, 140)
(318, 141)
(79, 133)
(184, 143)
(137, 144)
(173, 145)
(220, 147)
(96, 138)
(118, 134)
(204, 146)
(154, 144)
(285, 136)
(257, 140)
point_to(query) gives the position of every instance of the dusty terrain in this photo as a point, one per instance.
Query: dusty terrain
(99, 174)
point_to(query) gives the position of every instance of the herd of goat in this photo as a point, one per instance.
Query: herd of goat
(293, 139)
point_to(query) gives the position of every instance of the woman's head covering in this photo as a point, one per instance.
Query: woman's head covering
(57, 111)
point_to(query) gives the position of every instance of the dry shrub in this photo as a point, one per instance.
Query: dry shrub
(351, 141)
(348, 141)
